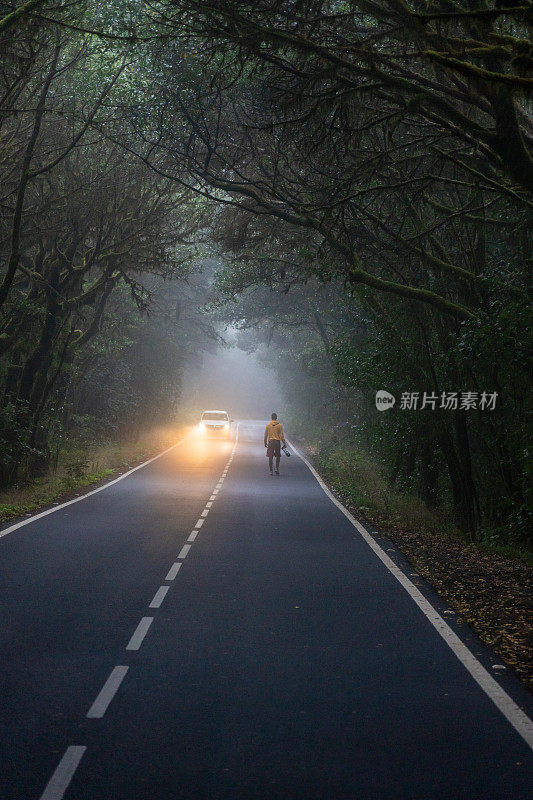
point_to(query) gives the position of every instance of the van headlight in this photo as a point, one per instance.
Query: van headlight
(226, 426)
(201, 426)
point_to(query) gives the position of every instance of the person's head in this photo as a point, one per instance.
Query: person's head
(274, 415)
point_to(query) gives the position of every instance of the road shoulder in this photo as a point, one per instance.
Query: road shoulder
(489, 593)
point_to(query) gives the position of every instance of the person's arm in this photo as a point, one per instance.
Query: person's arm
(266, 435)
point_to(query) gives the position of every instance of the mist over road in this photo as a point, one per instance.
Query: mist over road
(235, 380)
(203, 630)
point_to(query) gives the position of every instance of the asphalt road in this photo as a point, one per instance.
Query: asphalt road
(257, 648)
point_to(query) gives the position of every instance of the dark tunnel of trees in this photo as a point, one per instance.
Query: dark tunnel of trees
(350, 184)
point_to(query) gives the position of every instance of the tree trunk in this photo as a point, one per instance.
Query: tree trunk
(429, 474)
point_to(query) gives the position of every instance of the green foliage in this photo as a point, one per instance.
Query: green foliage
(374, 234)
(45, 493)
(360, 482)
(98, 237)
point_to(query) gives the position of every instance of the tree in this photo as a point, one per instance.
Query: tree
(80, 222)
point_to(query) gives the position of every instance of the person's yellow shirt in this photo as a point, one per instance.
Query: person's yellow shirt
(274, 430)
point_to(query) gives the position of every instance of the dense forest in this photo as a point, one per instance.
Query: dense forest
(361, 174)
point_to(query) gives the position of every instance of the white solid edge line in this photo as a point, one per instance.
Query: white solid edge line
(140, 632)
(158, 597)
(88, 494)
(107, 693)
(184, 550)
(173, 571)
(522, 724)
(58, 783)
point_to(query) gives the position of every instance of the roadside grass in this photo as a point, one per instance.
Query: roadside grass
(80, 466)
(358, 480)
(508, 551)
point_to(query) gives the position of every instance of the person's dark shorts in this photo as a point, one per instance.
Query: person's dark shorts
(274, 448)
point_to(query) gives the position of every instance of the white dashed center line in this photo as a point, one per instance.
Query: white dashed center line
(140, 632)
(173, 571)
(60, 780)
(184, 550)
(108, 691)
(58, 783)
(159, 596)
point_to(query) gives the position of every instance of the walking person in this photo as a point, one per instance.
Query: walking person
(273, 438)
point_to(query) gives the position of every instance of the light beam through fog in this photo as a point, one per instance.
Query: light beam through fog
(233, 380)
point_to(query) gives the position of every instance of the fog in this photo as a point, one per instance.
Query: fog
(232, 380)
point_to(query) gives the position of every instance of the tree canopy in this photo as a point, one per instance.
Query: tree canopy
(361, 171)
